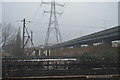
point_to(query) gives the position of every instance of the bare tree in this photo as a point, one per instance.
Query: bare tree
(18, 44)
(8, 32)
(8, 38)
(0, 34)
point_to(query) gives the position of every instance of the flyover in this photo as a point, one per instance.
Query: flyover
(105, 37)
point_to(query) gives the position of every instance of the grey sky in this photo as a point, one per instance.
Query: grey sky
(78, 18)
(0, 12)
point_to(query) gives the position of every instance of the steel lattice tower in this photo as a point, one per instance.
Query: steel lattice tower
(53, 23)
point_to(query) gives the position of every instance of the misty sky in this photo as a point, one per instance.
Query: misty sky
(78, 18)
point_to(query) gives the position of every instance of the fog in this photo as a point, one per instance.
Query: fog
(78, 18)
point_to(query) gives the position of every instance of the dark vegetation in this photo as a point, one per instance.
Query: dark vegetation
(91, 54)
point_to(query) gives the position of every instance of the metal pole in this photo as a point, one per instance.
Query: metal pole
(31, 38)
(23, 34)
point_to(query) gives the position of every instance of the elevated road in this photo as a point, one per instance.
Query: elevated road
(105, 37)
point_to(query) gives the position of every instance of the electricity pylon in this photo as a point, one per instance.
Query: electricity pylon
(53, 23)
(26, 38)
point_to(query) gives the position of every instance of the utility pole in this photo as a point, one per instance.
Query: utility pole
(53, 23)
(26, 37)
(23, 35)
(31, 38)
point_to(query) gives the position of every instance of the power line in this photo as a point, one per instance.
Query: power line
(67, 25)
(36, 12)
